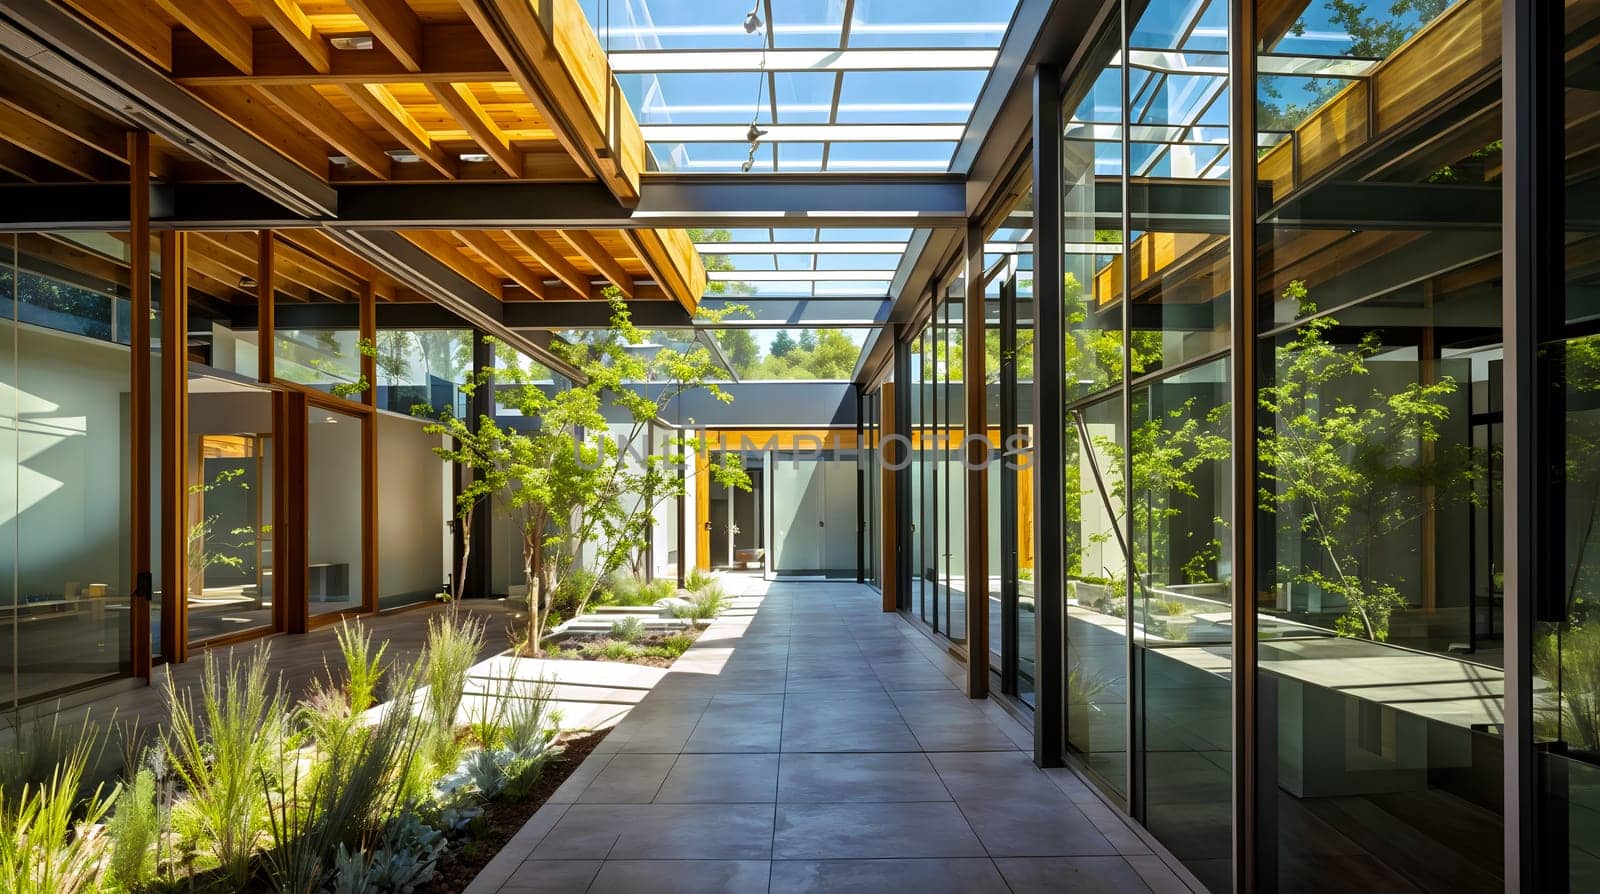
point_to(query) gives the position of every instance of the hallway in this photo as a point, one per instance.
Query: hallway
(810, 742)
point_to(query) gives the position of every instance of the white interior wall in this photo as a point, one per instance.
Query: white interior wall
(413, 508)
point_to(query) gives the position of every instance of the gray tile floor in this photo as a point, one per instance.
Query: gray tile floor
(810, 742)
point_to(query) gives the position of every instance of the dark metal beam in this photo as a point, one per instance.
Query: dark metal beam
(1049, 425)
(591, 314)
(841, 200)
(411, 264)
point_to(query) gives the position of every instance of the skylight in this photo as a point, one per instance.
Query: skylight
(838, 85)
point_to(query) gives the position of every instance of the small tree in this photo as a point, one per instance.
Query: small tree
(567, 486)
(1346, 475)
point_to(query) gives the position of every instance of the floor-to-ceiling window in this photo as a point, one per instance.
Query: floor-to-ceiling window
(66, 417)
(1566, 641)
(1378, 304)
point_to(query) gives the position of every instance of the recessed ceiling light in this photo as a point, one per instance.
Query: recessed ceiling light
(474, 156)
(247, 282)
(403, 156)
(352, 42)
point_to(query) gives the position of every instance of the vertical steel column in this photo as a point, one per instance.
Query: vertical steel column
(1242, 379)
(1049, 423)
(1132, 739)
(861, 486)
(975, 453)
(1532, 197)
(481, 562)
(904, 453)
(1008, 484)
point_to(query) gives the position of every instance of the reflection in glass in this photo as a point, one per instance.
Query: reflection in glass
(64, 552)
(1097, 586)
(1378, 439)
(229, 509)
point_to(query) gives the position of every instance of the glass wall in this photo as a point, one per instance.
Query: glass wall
(1378, 397)
(65, 479)
(229, 456)
(1566, 644)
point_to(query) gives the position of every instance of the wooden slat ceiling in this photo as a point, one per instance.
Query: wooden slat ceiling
(404, 90)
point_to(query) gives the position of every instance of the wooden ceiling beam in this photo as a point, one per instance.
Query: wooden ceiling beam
(381, 106)
(449, 53)
(29, 135)
(553, 260)
(395, 26)
(216, 23)
(289, 20)
(250, 110)
(52, 107)
(318, 244)
(593, 252)
(25, 165)
(317, 115)
(483, 243)
(458, 100)
(448, 252)
(132, 24)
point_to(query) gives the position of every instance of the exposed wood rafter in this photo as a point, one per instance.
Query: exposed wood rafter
(395, 26)
(289, 20)
(318, 116)
(216, 23)
(593, 252)
(552, 259)
(483, 243)
(458, 100)
(381, 106)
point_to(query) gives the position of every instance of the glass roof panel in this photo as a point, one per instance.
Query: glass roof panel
(909, 97)
(891, 89)
(901, 156)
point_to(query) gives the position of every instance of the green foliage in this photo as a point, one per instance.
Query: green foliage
(698, 580)
(629, 629)
(1168, 606)
(569, 495)
(134, 830)
(703, 606)
(346, 796)
(407, 858)
(454, 641)
(204, 548)
(40, 744)
(221, 748)
(1570, 659)
(44, 845)
(363, 666)
(1371, 37)
(1344, 474)
(676, 645)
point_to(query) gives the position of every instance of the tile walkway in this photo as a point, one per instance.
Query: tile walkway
(810, 742)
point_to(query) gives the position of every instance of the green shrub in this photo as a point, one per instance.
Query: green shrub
(134, 828)
(41, 851)
(625, 589)
(357, 786)
(571, 592)
(698, 580)
(454, 641)
(629, 629)
(363, 667)
(1169, 606)
(677, 644)
(703, 606)
(221, 750)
